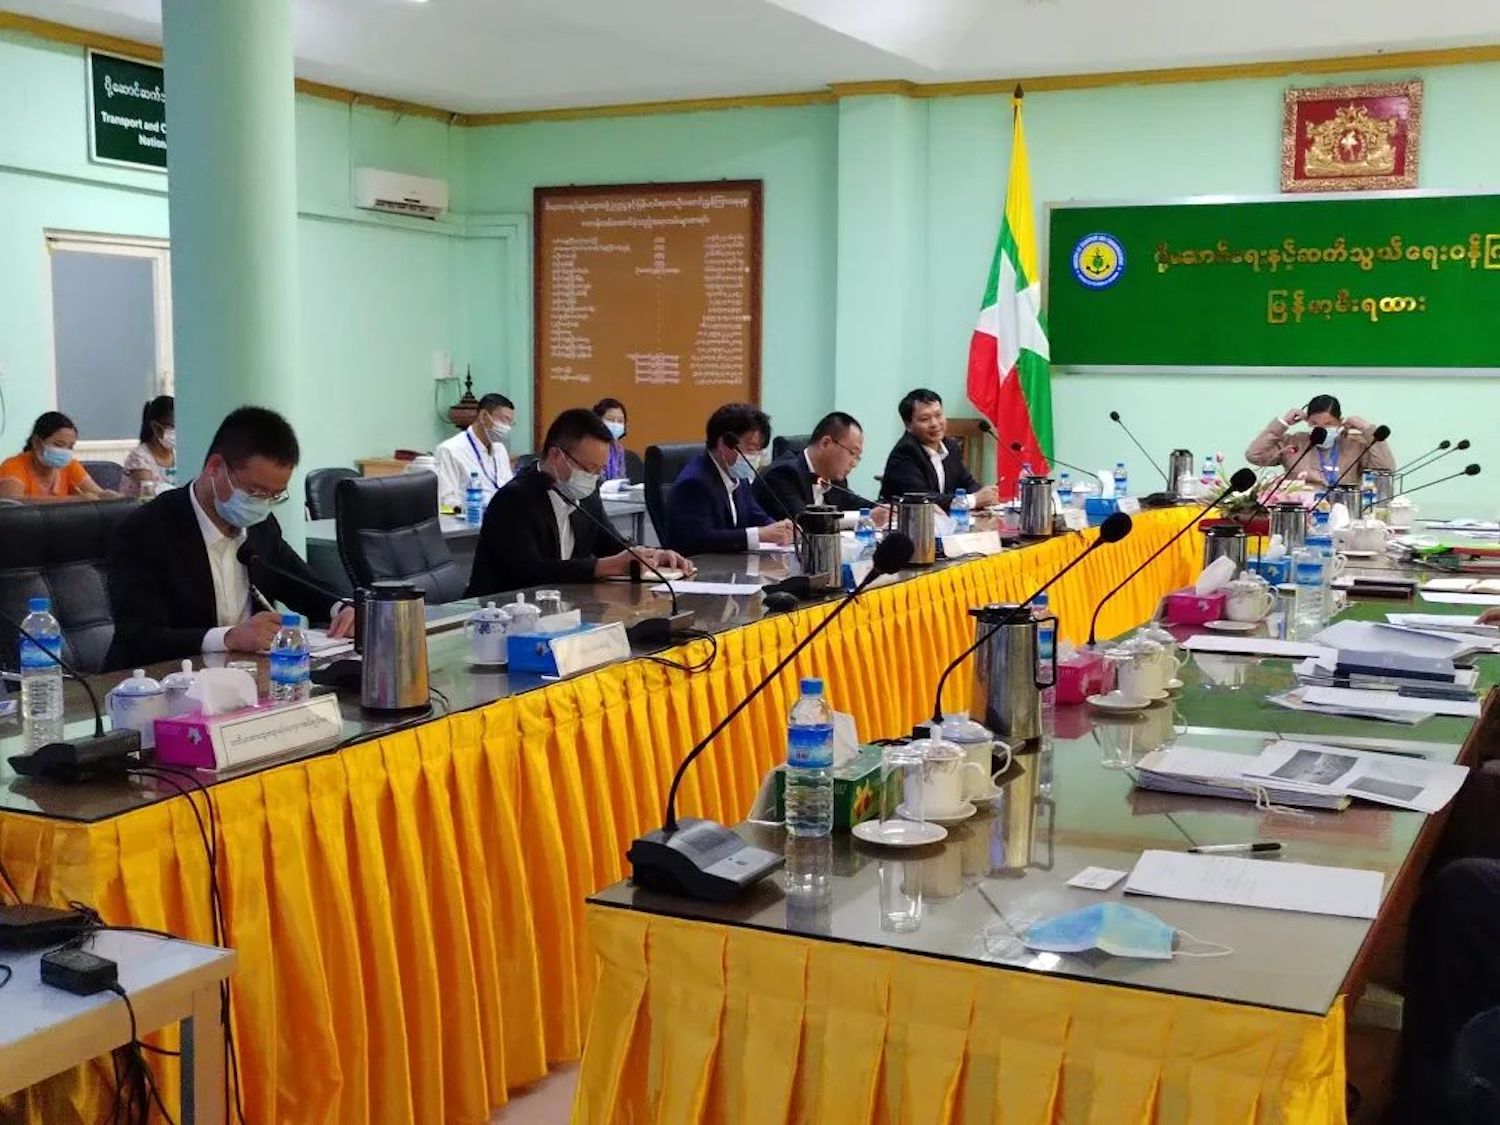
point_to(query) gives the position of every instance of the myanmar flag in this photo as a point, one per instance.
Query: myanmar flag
(1009, 378)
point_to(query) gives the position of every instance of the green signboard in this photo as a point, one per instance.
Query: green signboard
(1395, 281)
(127, 112)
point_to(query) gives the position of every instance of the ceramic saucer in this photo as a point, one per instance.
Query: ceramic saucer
(899, 833)
(1174, 685)
(1233, 626)
(964, 810)
(1116, 701)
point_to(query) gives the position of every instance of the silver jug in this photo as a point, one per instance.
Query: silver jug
(1350, 496)
(916, 518)
(1385, 485)
(818, 546)
(1036, 507)
(391, 623)
(1179, 465)
(1289, 520)
(1225, 539)
(1007, 694)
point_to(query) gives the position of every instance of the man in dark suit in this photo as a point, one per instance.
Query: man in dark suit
(710, 506)
(176, 584)
(534, 533)
(927, 460)
(820, 473)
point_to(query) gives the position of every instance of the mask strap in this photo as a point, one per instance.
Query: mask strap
(1214, 949)
(1263, 800)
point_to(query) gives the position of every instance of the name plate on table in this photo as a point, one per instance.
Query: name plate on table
(221, 742)
(972, 543)
(1076, 519)
(1130, 505)
(577, 652)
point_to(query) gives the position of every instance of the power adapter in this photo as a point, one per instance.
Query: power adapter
(80, 973)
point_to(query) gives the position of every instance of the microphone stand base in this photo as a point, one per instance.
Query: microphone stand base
(657, 630)
(702, 860)
(84, 759)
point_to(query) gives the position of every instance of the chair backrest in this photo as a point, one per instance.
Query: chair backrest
(635, 468)
(388, 529)
(318, 487)
(663, 463)
(59, 550)
(521, 461)
(793, 443)
(106, 474)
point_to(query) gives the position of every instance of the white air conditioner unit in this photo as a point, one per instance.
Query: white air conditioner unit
(375, 189)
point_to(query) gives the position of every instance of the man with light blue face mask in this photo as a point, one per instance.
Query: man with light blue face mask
(176, 583)
(711, 506)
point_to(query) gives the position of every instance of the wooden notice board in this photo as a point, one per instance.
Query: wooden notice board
(648, 293)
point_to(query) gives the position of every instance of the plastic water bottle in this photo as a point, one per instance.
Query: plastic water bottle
(1065, 489)
(291, 673)
(809, 763)
(864, 534)
(41, 676)
(1307, 574)
(1367, 492)
(1121, 481)
(959, 510)
(809, 884)
(1046, 647)
(1323, 544)
(473, 502)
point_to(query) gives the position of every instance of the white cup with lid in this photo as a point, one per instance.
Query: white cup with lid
(487, 629)
(176, 685)
(135, 704)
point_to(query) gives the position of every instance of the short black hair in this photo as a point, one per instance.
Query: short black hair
(571, 426)
(738, 418)
(48, 424)
(1325, 404)
(161, 409)
(605, 405)
(908, 405)
(496, 402)
(835, 425)
(252, 431)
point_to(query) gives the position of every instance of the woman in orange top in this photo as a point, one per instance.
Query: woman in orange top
(45, 469)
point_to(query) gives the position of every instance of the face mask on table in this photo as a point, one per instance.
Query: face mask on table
(1121, 930)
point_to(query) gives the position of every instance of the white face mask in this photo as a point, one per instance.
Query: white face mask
(496, 430)
(580, 484)
(169, 437)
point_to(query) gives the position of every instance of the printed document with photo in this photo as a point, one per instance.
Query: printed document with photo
(1386, 779)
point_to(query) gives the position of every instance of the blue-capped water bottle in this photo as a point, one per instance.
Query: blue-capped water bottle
(1122, 482)
(809, 763)
(1065, 489)
(864, 534)
(41, 675)
(959, 510)
(291, 668)
(473, 502)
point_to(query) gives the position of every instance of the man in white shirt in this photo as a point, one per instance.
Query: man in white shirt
(480, 450)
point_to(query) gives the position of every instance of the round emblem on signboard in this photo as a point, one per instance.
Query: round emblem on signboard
(1098, 261)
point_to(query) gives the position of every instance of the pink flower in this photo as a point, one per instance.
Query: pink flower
(1219, 457)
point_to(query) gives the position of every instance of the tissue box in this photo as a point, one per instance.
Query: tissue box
(532, 652)
(217, 742)
(1187, 607)
(856, 789)
(1098, 507)
(1083, 674)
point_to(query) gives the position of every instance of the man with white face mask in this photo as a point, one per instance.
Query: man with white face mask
(176, 584)
(480, 449)
(533, 534)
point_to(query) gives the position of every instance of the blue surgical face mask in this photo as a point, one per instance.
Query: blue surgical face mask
(1111, 926)
(241, 509)
(56, 457)
(616, 429)
(742, 470)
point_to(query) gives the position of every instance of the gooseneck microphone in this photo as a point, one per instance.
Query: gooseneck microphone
(1458, 447)
(702, 858)
(1115, 527)
(1466, 471)
(248, 556)
(651, 630)
(1114, 416)
(1380, 434)
(1242, 479)
(1076, 468)
(1417, 462)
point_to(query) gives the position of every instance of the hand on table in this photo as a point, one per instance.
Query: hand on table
(342, 624)
(779, 532)
(987, 496)
(254, 634)
(880, 516)
(1490, 616)
(663, 559)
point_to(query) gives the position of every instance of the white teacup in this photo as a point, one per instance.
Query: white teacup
(1140, 669)
(1249, 600)
(486, 630)
(938, 788)
(1365, 536)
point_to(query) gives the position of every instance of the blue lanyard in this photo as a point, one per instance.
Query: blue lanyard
(494, 477)
(1328, 461)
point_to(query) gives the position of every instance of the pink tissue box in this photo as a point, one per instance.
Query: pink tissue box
(188, 739)
(249, 734)
(1083, 674)
(1185, 607)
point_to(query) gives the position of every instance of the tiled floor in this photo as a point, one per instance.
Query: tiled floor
(547, 1103)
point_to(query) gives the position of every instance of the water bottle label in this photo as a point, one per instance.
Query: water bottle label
(290, 667)
(33, 655)
(1309, 574)
(810, 747)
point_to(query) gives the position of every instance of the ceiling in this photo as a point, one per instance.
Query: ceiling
(477, 56)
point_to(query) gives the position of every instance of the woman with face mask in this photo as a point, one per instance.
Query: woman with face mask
(46, 470)
(1347, 440)
(623, 464)
(152, 465)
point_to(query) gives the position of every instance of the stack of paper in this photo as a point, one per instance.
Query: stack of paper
(1296, 700)
(1250, 646)
(1386, 779)
(1233, 881)
(1446, 623)
(1217, 773)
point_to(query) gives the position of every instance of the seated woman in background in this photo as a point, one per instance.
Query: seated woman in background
(623, 464)
(1345, 443)
(150, 466)
(45, 469)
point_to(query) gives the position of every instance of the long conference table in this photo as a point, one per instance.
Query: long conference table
(429, 916)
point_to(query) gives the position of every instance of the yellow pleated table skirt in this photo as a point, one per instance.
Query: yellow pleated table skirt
(409, 912)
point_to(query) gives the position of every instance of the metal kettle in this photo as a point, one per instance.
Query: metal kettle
(819, 547)
(1179, 465)
(1007, 693)
(1036, 507)
(916, 518)
(391, 635)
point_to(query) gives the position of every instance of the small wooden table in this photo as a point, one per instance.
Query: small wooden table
(47, 1031)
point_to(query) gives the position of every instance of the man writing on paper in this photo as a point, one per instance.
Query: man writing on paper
(533, 536)
(710, 506)
(820, 473)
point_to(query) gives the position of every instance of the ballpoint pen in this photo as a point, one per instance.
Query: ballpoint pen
(1232, 849)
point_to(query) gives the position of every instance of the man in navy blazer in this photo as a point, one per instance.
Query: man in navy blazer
(710, 507)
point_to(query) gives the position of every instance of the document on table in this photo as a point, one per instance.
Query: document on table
(1267, 884)
(1445, 622)
(319, 643)
(774, 548)
(1251, 646)
(745, 588)
(1387, 779)
(1390, 701)
(1443, 597)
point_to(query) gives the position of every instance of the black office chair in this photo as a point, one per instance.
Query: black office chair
(58, 550)
(521, 461)
(663, 463)
(318, 488)
(796, 443)
(388, 529)
(106, 474)
(635, 468)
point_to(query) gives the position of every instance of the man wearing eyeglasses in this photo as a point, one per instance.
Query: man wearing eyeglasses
(820, 473)
(176, 584)
(547, 525)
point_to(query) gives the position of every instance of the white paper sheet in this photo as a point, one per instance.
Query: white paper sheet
(746, 588)
(1267, 884)
(319, 643)
(1445, 598)
(1390, 701)
(1251, 646)
(1096, 878)
(1386, 779)
(774, 548)
(1447, 622)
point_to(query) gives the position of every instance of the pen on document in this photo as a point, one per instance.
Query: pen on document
(1230, 849)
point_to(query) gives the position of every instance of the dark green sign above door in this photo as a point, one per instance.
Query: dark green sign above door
(127, 112)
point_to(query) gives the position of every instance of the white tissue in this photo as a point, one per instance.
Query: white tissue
(1338, 518)
(1216, 575)
(1106, 482)
(217, 691)
(845, 739)
(1275, 550)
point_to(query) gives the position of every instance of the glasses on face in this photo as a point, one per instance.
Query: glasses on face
(577, 463)
(855, 453)
(278, 497)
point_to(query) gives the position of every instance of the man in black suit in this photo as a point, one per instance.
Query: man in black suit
(176, 584)
(820, 473)
(533, 532)
(926, 460)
